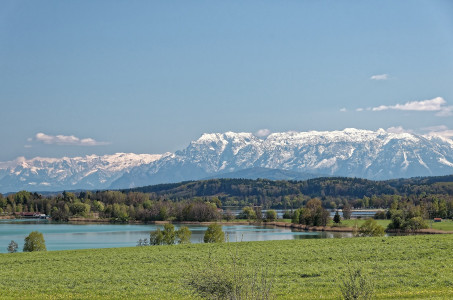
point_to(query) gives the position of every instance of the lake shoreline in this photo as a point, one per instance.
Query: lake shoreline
(277, 224)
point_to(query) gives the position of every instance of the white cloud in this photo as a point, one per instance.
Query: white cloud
(380, 77)
(441, 130)
(437, 104)
(399, 129)
(359, 109)
(445, 112)
(435, 128)
(262, 133)
(343, 109)
(66, 140)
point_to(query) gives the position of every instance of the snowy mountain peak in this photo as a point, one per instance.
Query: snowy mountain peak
(350, 152)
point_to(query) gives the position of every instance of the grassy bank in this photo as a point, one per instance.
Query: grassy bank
(412, 267)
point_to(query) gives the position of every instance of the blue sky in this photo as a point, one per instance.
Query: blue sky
(99, 77)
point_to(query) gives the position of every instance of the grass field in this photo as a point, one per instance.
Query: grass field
(359, 222)
(404, 267)
(446, 225)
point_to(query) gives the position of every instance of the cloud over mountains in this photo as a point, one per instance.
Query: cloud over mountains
(66, 140)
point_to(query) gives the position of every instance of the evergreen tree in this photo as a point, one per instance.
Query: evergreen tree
(337, 218)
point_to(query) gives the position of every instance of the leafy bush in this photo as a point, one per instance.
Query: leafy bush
(380, 215)
(371, 228)
(406, 220)
(247, 213)
(287, 215)
(271, 215)
(415, 223)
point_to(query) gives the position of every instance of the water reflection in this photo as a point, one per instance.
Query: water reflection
(64, 236)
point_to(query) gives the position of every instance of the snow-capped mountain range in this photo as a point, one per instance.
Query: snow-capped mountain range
(350, 152)
(56, 174)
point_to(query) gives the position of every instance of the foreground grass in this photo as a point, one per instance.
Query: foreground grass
(411, 267)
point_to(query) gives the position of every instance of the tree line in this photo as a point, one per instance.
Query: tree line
(202, 200)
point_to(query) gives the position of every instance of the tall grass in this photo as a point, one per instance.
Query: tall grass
(238, 279)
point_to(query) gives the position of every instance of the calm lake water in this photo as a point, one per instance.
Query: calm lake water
(66, 236)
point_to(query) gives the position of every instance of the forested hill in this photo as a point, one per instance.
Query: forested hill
(200, 200)
(263, 191)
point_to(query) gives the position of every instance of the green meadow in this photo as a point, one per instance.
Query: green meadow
(403, 267)
(445, 225)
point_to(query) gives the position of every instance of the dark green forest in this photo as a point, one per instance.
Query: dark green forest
(203, 200)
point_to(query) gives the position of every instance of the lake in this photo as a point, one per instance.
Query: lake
(66, 236)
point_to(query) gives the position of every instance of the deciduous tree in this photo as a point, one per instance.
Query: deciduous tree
(35, 242)
(12, 247)
(214, 234)
(371, 228)
(183, 235)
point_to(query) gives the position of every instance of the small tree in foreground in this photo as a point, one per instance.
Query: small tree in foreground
(183, 235)
(357, 285)
(156, 237)
(12, 247)
(214, 234)
(35, 242)
(234, 279)
(168, 236)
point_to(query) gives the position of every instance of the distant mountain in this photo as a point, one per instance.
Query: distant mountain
(53, 174)
(351, 152)
(376, 155)
(266, 173)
